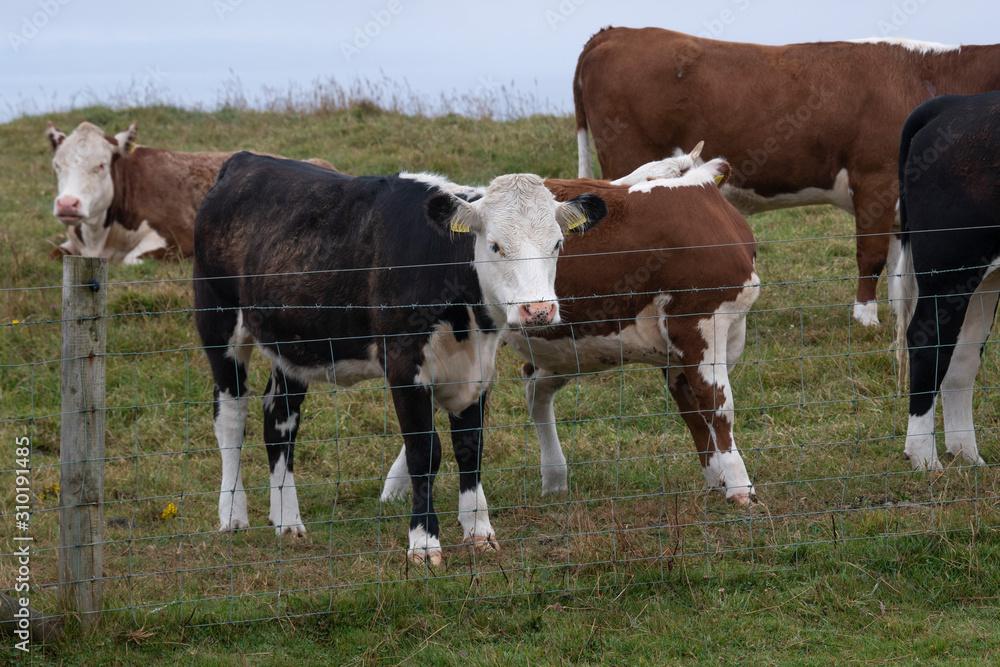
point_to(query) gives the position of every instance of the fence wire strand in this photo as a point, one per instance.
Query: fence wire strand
(819, 422)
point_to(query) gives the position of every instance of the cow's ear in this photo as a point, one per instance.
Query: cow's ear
(581, 213)
(696, 152)
(449, 213)
(126, 139)
(54, 134)
(722, 171)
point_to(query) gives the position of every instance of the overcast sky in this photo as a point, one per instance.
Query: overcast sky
(60, 52)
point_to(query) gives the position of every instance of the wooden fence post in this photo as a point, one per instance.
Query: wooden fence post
(81, 450)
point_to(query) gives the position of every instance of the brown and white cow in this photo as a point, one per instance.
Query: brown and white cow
(666, 279)
(801, 124)
(126, 202)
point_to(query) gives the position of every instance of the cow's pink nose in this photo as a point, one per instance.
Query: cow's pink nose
(538, 313)
(67, 204)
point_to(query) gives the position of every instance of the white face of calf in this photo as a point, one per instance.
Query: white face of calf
(82, 162)
(519, 231)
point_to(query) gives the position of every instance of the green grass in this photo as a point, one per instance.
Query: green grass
(850, 555)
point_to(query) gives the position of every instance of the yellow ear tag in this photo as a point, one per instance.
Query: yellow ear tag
(718, 179)
(131, 148)
(576, 222)
(459, 226)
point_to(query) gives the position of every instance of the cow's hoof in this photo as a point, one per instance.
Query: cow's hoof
(297, 530)
(742, 498)
(432, 558)
(866, 313)
(234, 525)
(481, 544)
(921, 463)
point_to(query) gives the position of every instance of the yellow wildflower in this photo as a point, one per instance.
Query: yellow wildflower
(170, 512)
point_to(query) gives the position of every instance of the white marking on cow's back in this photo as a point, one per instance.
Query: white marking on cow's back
(915, 45)
(445, 185)
(699, 176)
(458, 372)
(749, 202)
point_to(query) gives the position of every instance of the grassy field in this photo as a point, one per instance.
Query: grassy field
(850, 556)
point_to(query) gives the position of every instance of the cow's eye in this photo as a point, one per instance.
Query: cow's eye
(559, 246)
(101, 167)
(495, 247)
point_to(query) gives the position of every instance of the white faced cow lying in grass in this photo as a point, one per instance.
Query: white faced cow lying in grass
(126, 202)
(341, 279)
(949, 175)
(667, 280)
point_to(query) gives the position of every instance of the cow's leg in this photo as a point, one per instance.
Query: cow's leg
(221, 334)
(282, 409)
(540, 388)
(149, 241)
(473, 512)
(705, 399)
(958, 383)
(397, 481)
(931, 337)
(230, 425)
(874, 212)
(423, 458)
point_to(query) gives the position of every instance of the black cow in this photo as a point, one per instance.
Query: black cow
(949, 175)
(342, 279)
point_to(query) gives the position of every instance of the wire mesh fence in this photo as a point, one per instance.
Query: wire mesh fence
(820, 422)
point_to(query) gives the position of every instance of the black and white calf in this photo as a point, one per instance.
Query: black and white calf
(342, 279)
(949, 173)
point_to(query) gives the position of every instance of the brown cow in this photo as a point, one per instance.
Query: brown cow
(801, 124)
(666, 279)
(126, 202)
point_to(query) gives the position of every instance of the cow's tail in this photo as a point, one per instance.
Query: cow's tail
(903, 281)
(903, 296)
(582, 131)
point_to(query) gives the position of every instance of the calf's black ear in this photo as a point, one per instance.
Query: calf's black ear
(449, 213)
(581, 213)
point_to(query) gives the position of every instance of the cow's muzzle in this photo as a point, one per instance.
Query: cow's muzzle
(540, 313)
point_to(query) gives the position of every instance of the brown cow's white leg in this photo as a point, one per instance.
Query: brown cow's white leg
(540, 388)
(705, 397)
(710, 423)
(874, 203)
